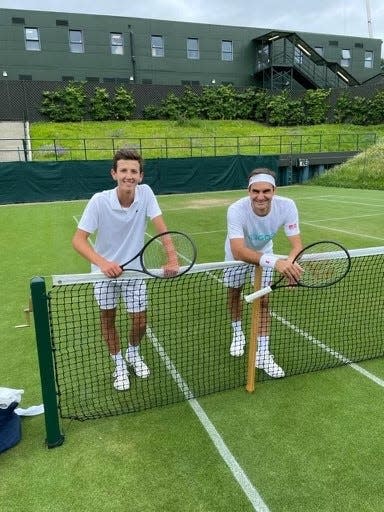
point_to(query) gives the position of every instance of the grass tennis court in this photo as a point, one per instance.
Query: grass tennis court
(309, 442)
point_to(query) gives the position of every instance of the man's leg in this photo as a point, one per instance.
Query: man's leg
(135, 298)
(235, 312)
(111, 337)
(264, 359)
(134, 359)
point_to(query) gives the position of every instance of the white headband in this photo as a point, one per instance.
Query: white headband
(261, 177)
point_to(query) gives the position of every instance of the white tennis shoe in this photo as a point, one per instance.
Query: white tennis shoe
(238, 343)
(139, 367)
(265, 361)
(121, 376)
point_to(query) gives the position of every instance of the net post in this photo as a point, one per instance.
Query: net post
(44, 350)
(255, 322)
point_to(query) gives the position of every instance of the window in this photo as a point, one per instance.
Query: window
(226, 50)
(117, 43)
(368, 60)
(157, 46)
(193, 48)
(32, 39)
(76, 44)
(319, 50)
(298, 56)
(345, 58)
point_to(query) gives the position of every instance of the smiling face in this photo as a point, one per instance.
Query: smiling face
(261, 194)
(128, 175)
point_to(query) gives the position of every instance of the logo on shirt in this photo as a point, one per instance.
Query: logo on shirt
(260, 237)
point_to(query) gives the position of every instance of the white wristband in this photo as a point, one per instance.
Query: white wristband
(268, 261)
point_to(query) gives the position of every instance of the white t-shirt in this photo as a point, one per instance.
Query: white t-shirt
(120, 231)
(258, 232)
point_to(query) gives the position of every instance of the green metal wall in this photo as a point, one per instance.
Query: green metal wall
(55, 60)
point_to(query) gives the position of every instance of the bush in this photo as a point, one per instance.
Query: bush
(122, 104)
(282, 111)
(100, 105)
(69, 104)
(316, 107)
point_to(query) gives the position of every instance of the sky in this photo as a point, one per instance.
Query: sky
(362, 18)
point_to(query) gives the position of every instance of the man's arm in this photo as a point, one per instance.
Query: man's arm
(81, 244)
(172, 266)
(241, 252)
(159, 224)
(296, 246)
(286, 266)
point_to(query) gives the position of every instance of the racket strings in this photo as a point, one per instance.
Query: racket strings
(168, 247)
(323, 264)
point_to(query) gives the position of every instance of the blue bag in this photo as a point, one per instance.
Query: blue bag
(10, 427)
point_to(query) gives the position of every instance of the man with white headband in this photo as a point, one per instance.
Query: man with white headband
(252, 223)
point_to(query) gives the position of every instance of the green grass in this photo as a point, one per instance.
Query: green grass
(365, 170)
(171, 139)
(307, 443)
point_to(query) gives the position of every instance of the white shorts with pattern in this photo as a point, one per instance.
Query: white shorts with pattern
(235, 277)
(133, 292)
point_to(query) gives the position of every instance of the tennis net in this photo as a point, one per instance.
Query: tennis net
(189, 334)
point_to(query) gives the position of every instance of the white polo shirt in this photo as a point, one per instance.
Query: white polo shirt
(258, 232)
(120, 231)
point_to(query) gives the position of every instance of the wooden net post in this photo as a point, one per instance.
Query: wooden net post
(255, 322)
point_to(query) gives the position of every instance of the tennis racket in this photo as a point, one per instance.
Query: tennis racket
(168, 254)
(324, 263)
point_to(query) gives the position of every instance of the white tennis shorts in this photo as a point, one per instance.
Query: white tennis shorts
(235, 277)
(133, 292)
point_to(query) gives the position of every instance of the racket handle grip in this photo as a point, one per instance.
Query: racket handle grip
(256, 295)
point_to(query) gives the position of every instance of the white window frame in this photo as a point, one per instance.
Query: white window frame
(76, 44)
(117, 43)
(193, 51)
(368, 59)
(32, 39)
(227, 50)
(345, 58)
(157, 46)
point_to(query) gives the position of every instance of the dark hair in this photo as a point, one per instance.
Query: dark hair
(262, 170)
(128, 154)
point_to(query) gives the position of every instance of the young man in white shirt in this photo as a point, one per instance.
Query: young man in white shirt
(119, 216)
(252, 223)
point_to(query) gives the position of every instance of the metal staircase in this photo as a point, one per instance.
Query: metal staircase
(285, 61)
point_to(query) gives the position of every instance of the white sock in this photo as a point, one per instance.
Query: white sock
(118, 359)
(236, 326)
(262, 344)
(132, 352)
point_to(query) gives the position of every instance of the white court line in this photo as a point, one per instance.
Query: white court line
(209, 232)
(326, 348)
(347, 218)
(362, 235)
(337, 200)
(235, 468)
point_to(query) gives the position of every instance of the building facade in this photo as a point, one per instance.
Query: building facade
(57, 46)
